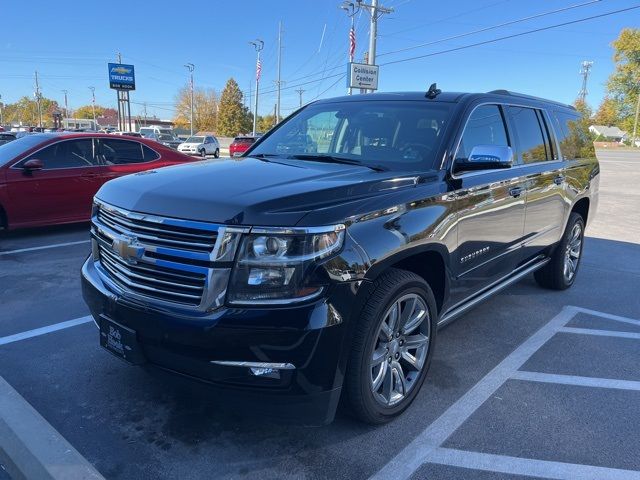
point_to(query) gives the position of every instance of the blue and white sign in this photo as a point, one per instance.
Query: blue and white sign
(361, 75)
(122, 77)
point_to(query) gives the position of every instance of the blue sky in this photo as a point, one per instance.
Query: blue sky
(70, 43)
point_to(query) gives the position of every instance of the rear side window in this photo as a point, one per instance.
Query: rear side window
(532, 147)
(120, 152)
(149, 155)
(573, 136)
(484, 127)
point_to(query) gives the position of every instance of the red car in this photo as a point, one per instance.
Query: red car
(51, 178)
(241, 145)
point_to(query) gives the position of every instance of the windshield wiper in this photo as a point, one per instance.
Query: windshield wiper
(333, 159)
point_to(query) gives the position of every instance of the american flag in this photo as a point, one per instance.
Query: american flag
(352, 43)
(258, 69)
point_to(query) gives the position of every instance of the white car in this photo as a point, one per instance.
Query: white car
(200, 145)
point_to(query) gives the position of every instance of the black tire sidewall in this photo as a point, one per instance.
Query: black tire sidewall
(369, 403)
(573, 219)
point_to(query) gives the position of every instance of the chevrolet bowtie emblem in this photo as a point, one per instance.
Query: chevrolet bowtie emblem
(127, 248)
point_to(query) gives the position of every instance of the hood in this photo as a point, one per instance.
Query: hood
(248, 191)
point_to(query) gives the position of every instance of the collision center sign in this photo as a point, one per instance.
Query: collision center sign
(360, 75)
(122, 77)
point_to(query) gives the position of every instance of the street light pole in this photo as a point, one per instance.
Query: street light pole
(93, 105)
(1, 121)
(635, 123)
(191, 67)
(258, 45)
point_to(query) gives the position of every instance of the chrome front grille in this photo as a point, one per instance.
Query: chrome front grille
(164, 261)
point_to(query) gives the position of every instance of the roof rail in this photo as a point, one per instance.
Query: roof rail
(530, 97)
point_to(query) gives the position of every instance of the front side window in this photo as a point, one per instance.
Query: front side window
(531, 141)
(393, 135)
(66, 154)
(120, 152)
(484, 127)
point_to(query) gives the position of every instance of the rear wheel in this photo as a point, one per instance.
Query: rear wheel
(562, 269)
(392, 347)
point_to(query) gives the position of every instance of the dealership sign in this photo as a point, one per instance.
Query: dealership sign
(360, 75)
(121, 77)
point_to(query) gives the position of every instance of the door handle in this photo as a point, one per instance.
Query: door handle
(559, 180)
(515, 192)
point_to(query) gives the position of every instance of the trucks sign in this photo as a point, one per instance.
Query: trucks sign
(360, 75)
(121, 77)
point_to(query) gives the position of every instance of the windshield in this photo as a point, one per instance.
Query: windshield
(394, 134)
(11, 150)
(195, 140)
(165, 137)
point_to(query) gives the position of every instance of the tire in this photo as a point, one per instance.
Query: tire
(203, 153)
(216, 154)
(367, 402)
(562, 269)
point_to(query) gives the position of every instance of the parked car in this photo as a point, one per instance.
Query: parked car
(6, 137)
(127, 134)
(165, 139)
(241, 144)
(51, 178)
(201, 145)
(148, 131)
(286, 281)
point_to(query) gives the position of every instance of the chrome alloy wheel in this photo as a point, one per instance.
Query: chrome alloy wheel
(401, 349)
(572, 252)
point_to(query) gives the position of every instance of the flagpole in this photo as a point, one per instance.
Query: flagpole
(258, 45)
(352, 42)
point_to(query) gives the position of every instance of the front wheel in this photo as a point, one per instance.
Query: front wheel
(392, 347)
(203, 153)
(216, 154)
(561, 271)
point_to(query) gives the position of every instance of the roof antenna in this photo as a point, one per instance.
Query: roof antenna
(433, 91)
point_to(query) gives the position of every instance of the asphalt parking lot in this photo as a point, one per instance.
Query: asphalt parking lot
(531, 383)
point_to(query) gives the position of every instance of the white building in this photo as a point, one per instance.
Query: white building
(608, 134)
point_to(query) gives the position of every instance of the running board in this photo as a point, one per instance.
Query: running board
(497, 287)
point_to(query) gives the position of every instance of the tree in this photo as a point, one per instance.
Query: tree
(25, 111)
(233, 116)
(607, 113)
(205, 109)
(624, 82)
(266, 122)
(86, 111)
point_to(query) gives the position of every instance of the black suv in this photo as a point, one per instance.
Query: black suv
(294, 276)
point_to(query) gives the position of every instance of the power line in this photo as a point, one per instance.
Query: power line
(507, 37)
(492, 27)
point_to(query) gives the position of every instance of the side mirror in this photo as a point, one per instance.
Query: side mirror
(32, 165)
(486, 157)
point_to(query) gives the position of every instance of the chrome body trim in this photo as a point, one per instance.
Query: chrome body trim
(275, 366)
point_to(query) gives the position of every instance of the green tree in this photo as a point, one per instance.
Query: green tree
(607, 113)
(624, 82)
(205, 109)
(266, 122)
(25, 111)
(233, 116)
(86, 111)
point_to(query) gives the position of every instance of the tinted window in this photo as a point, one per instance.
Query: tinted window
(573, 136)
(148, 154)
(531, 143)
(485, 127)
(119, 152)
(66, 154)
(396, 135)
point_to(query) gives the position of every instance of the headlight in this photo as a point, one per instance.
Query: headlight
(274, 265)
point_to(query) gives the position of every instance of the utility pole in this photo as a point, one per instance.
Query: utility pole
(38, 100)
(300, 92)
(1, 121)
(120, 109)
(258, 45)
(191, 67)
(351, 10)
(585, 71)
(66, 103)
(145, 113)
(93, 106)
(279, 82)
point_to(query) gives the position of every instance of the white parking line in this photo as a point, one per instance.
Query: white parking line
(576, 380)
(527, 467)
(36, 332)
(426, 447)
(44, 247)
(600, 333)
(610, 316)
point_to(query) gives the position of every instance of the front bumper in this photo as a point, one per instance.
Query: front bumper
(309, 337)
